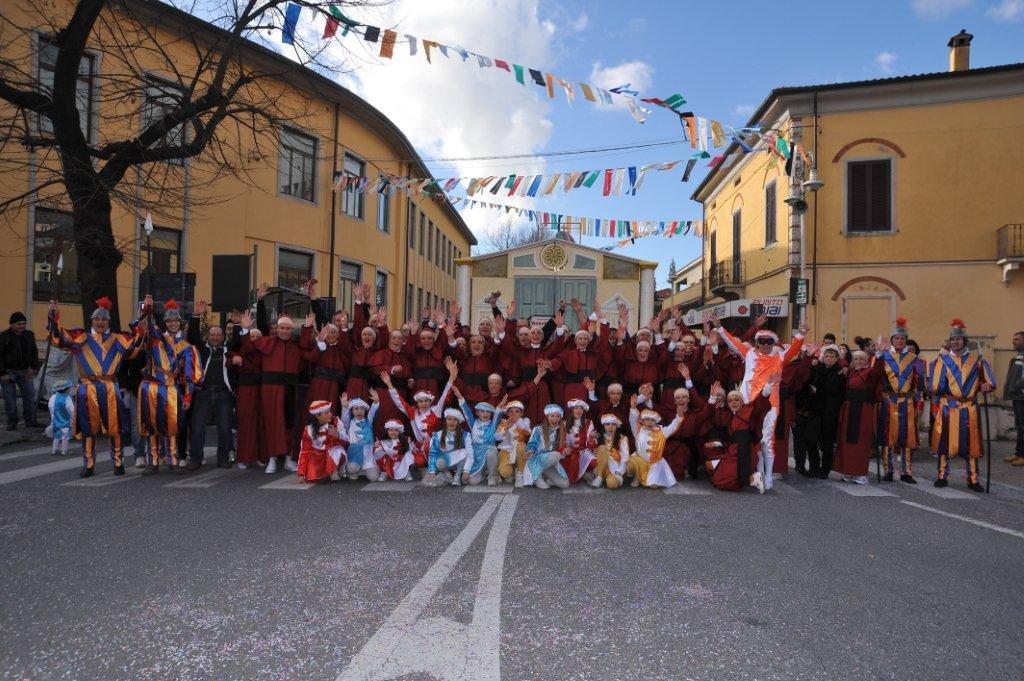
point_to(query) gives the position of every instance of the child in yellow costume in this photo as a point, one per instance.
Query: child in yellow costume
(515, 432)
(646, 466)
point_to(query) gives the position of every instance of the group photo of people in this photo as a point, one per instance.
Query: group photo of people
(544, 403)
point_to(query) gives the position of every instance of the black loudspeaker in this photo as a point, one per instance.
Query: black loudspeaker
(230, 283)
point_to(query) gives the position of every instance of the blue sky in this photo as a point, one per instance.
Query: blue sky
(724, 57)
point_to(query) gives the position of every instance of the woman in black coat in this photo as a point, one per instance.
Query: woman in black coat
(825, 393)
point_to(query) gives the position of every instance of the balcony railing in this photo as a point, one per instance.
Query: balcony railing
(726, 274)
(1010, 242)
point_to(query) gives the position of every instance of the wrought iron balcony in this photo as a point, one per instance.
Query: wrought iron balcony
(1010, 248)
(727, 275)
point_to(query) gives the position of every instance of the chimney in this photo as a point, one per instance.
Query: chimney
(960, 51)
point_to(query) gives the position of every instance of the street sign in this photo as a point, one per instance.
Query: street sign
(798, 291)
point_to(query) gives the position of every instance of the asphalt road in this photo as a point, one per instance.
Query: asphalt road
(145, 578)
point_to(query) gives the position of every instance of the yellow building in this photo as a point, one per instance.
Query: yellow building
(280, 206)
(919, 214)
(685, 285)
(540, 274)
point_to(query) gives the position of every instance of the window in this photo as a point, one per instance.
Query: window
(770, 213)
(294, 268)
(868, 196)
(382, 288)
(296, 166)
(437, 246)
(430, 242)
(584, 262)
(451, 258)
(159, 99)
(351, 199)
(384, 210)
(54, 237)
(524, 261)
(419, 303)
(350, 274)
(411, 226)
(423, 231)
(737, 231)
(160, 252)
(83, 88)
(714, 248)
(410, 300)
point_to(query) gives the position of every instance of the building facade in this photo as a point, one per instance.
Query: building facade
(537, 276)
(685, 285)
(280, 205)
(919, 214)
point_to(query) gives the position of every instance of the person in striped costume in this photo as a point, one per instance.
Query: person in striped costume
(897, 412)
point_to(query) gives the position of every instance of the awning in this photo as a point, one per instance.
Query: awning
(774, 306)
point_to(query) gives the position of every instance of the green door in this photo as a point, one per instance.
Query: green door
(583, 289)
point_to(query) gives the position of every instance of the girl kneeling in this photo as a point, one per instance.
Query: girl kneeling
(358, 417)
(647, 465)
(322, 449)
(450, 449)
(545, 450)
(394, 453)
(612, 453)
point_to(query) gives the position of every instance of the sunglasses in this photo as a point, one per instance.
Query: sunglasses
(765, 341)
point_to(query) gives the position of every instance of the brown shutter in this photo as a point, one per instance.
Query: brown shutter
(880, 199)
(769, 214)
(857, 197)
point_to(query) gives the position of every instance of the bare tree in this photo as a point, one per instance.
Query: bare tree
(177, 101)
(507, 235)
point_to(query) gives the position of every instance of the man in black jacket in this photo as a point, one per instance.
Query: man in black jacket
(19, 361)
(1014, 392)
(215, 394)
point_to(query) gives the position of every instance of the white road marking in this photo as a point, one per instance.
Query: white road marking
(202, 480)
(29, 472)
(410, 644)
(943, 492)
(689, 488)
(584, 488)
(972, 521)
(105, 479)
(390, 486)
(288, 482)
(485, 489)
(36, 452)
(855, 490)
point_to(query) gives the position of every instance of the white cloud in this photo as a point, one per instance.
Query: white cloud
(453, 109)
(885, 61)
(1007, 11)
(580, 22)
(938, 9)
(743, 110)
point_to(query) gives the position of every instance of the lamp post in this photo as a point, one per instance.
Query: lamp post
(812, 184)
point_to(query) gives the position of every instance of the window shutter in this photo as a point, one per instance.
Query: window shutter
(880, 200)
(769, 215)
(857, 197)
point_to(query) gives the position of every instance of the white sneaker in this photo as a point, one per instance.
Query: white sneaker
(241, 466)
(518, 480)
(382, 476)
(492, 480)
(182, 463)
(407, 478)
(456, 481)
(847, 478)
(290, 465)
(335, 476)
(541, 483)
(861, 480)
(758, 482)
(140, 461)
(271, 466)
(597, 482)
(635, 482)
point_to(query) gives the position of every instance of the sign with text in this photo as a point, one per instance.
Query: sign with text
(773, 306)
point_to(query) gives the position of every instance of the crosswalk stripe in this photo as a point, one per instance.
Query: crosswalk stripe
(855, 490)
(203, 480)
(390, 486)
(942, 492)
(584, 489)
(29, 472)
(105, 479)
(689, 489)
(289, 482)
(36, 452)
(485, 489)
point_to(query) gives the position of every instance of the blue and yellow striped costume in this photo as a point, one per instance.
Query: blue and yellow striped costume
(897, 411)
(172, 370)
(98, 406)
(954, 383)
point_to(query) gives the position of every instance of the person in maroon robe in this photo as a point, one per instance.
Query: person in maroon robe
(393, 361)
(526, 353)
(373, 336)
(682, 449)
(640, 364)
(730, 460)
(250, 448)
(280, 364)
(329, 355)
(578, 363)
(476, 365)
(856, 435)
(425, 351)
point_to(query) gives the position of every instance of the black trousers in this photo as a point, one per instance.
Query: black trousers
(218, 404)
(800, 448)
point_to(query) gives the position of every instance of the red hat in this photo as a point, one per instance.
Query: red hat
(103, 307)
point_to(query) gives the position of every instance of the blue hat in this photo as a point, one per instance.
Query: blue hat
(485, 406)
(61, 386)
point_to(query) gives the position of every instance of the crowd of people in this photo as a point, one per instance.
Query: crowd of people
(512, 402)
